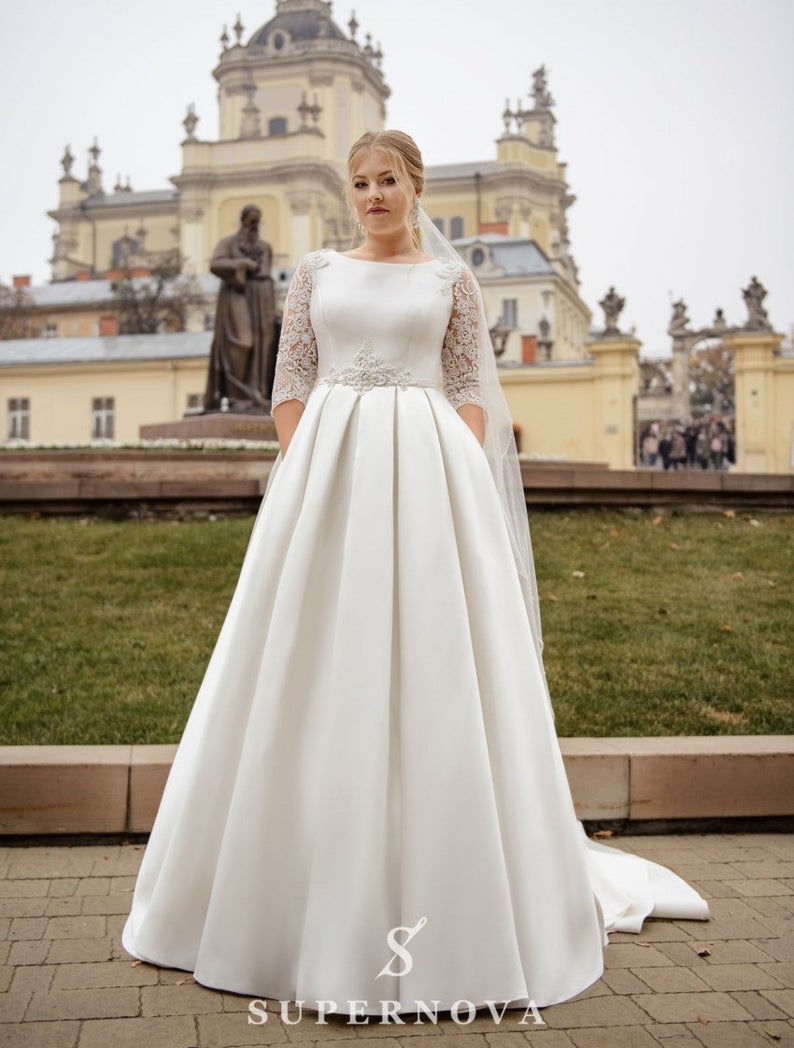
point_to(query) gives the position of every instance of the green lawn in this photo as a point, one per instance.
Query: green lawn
(680, 625)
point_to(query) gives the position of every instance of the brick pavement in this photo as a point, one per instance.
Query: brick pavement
(67, 982)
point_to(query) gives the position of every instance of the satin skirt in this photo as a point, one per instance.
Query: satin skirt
(372, 748)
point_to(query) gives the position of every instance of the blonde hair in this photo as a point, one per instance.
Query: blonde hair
(406, 162)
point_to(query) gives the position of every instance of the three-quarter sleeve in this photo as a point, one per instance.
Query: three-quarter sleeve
(296, 362)
(460, 355)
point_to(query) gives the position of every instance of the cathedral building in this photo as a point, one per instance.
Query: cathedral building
(293, 96)
(291, 101)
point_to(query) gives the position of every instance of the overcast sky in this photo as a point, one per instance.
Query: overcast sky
(674, 117)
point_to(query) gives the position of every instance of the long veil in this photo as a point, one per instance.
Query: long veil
(499, 445)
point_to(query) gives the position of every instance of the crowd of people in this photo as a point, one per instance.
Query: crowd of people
(708, 444)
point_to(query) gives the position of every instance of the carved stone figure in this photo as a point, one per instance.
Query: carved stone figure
(242, 359)
(612, 305)
(754, 295)
(679, 322)
(540, 91)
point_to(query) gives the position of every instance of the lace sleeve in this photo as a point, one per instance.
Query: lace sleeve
(296, 362)
(460, 363)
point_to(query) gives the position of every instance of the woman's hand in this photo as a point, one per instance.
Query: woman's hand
(286, 416)
(474, 417)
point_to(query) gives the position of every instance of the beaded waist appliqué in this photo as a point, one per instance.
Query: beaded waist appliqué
(367, 370)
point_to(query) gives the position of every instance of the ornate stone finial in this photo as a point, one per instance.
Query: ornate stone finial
(718, 323)
(190, 122)
(67, 160)
(315, 109)
(368, 48)
(224, 40)
(679, 322)
(128, 185)
(238, 29)
(119, 186)
(95, 152)
(304, 109)
(757, 318)
(612, 305)
(352, 25)
(377, 56)
(507, 116)
(540, 92)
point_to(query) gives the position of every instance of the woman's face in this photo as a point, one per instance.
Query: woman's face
(380, 202)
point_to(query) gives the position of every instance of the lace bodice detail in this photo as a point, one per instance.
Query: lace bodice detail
(402, 316)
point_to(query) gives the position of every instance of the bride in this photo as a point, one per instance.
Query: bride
(369, 803)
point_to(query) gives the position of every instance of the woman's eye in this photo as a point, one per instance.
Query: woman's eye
(389, 180)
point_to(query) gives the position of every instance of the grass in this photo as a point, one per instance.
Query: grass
(652, 626)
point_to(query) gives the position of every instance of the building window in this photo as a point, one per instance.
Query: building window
(477, 256)
(278, 41)
(439, 224)
(103, 418)
(277, 127)
(510, 312)
(50, 329)
(456, 228)
(19, 418)
(195, 402)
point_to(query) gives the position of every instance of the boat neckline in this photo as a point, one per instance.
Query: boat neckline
(379, 262)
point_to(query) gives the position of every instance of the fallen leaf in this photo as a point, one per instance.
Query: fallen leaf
(673, 545)
(657, 521)
(592, 596)
(703, 1020)
(727, 629)
(602, 833)
(755, 523)
(614, 533)
(705, 952)
(737, 575)
(772, 584)
(730, 513)
(663, 611)
(771, 1033)
(552, 598)
(577, 574)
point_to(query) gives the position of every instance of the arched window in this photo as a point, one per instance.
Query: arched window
(277, 126)
(456, 228)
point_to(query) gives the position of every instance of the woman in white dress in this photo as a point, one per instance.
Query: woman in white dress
(373, 746)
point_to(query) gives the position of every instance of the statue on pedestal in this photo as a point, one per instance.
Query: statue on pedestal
(757, 317)
(612, 305)
(243, 354)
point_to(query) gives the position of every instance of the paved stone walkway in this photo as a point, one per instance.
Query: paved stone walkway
(727, 983)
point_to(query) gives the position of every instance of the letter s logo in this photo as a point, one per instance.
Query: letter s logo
(399, 948)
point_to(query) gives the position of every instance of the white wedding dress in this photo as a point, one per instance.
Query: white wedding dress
(372, 745)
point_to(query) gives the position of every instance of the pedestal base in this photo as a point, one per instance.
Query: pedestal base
(218, 425)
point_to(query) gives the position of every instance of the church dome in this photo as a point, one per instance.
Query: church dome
(297, 20)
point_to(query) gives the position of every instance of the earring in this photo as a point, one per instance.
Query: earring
(359, 228)
(415, 212)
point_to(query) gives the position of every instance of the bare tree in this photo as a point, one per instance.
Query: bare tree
(160, 301)
(16, 313)
(711, 380)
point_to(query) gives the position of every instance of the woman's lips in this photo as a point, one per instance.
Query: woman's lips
(376, 211)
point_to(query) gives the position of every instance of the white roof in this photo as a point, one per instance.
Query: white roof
(116, 349)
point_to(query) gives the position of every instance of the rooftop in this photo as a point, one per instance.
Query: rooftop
(117, 349)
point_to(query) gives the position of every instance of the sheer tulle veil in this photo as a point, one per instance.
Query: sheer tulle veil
(499, 445)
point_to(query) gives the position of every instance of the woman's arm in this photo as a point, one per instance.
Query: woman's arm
(287, 415)
(460, 355)
(296, 362)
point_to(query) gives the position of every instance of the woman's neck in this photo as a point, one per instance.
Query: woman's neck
(389, 249)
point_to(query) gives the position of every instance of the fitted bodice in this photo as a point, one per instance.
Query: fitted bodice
(367, 324)
(398, 315)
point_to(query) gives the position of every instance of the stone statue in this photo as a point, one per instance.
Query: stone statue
(754, 295)
(243, 355)
(679, 322)
(540, 91)
(612, 305)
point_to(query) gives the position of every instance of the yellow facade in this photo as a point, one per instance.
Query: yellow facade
(764, 403)
(61, 396)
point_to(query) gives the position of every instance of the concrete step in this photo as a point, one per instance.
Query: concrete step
(117, 789)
